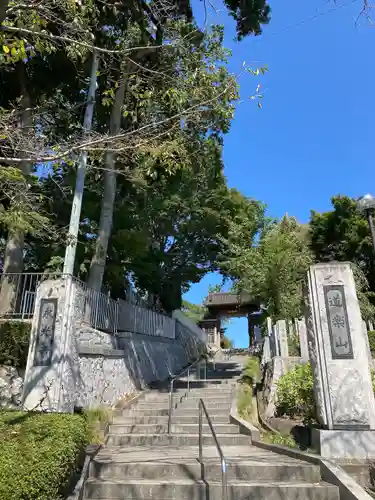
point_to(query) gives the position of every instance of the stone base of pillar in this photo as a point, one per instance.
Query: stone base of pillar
(344, 444)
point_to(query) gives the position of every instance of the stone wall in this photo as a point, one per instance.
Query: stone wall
(11, 385)
(112, 366)
(71, 364)
(273, 370)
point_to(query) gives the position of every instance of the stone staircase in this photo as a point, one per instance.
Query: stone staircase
(141, 461)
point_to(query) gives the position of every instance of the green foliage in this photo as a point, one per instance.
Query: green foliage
(38, 454)
(278, 438)
(245, 402)
(226, 343)
(293, 342)
(251, 371)
(97, 419)
(295, 394)
(343, 235)
(195, 312)
(371, 341)
(14, 343)
(274, 270)
(249, 16)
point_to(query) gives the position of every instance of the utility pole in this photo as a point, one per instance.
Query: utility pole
(75, 214)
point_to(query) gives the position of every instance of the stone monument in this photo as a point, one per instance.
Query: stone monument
(282, 338)
(339, 358)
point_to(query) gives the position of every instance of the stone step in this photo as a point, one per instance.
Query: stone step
(189, 489)
(127, 418)
(185, 404)
(179, 411)
(120, 429)
(244, 470)
(211, 406)
(215, 396)
(174, 439)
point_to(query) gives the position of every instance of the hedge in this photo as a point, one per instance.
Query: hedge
(14, 343)
(38, 453)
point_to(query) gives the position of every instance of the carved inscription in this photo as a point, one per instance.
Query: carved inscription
(338, 324)
(46, 332)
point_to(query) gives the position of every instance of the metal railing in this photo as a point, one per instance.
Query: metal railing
(95, 308)
(224, 477)
(18, 293)
(171, 387)
(137, 319)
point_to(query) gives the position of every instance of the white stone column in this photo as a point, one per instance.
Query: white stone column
(301, 327)
(51, 376)
(266, 356)
(339, 358)
(274, 345)
(282, 337)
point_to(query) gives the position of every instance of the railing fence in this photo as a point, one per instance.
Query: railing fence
(99, 310)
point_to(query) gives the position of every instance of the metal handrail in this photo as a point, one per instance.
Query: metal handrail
(224, 478)
(172, 381)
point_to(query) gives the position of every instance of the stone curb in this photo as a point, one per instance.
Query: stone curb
(331, 473)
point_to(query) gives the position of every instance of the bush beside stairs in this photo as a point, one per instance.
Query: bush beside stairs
(141, 461)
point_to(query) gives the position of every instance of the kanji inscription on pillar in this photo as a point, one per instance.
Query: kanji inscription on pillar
(338, 324)
(46, 332)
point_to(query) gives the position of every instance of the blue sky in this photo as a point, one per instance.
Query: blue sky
(315, 135)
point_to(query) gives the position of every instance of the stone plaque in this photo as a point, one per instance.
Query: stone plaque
(338, 324)
(45, 332)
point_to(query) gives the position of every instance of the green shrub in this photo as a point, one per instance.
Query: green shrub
(38, 453)
(293, 345)
(295, 394)
(251, 372)
(371, 341)
(245, 402)
(14, 343)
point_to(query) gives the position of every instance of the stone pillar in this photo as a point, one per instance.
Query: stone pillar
(266, 356)
(301, 327)
(217, 337)
(282, 338)
(51, 376)
(251, 332)
(274, 345)
(367, 343)
(339, 358)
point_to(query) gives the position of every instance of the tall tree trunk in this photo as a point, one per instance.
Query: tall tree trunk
(98, 260)
(14, 250)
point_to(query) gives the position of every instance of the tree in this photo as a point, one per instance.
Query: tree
(273, 270)
(141, 124)
(342, 234)
(195, 312)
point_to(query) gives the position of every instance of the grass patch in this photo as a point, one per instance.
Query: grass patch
(39, 453)
(278, 438)
(245, 402)
(97, 419)
(251, 371)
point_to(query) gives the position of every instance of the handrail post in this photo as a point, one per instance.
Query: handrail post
(200, 420)
(224, 479)
(170, 407)
(188, 380)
